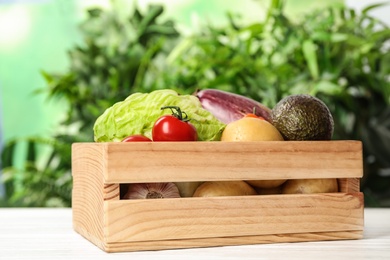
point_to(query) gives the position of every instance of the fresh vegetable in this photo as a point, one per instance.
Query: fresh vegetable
(175, 127)
(250, 129)
(187, 189)
(152, 191)
(138, 113)
(303, 117)
(253, 128)
(254, 116)
(136, 138)
(224, 188)
(229, 107)
(307, 186)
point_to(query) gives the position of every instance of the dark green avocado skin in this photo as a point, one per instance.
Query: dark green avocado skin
(303, 117)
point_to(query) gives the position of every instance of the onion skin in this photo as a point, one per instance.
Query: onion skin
(228, 107)
(152, 191)
(224, 188)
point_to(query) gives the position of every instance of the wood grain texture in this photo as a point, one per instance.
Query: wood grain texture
(112, 224)
(231, 241)
(111, 191)
(88, 192)
(187, 161)
(185, 218)
(349, 185)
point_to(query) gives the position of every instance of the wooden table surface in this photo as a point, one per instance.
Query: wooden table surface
(47, 233)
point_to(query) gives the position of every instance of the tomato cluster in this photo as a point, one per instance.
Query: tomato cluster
(175, 127)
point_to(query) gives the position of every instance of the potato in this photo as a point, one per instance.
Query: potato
(306, 186)
(269, 191)
(265, 184)
(224, 188)
(250, 129)
(187, 189)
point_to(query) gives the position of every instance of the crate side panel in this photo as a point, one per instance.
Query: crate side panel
(231, 241)
(88, 191)
(146, 220)
(349, 185)
(201, 161)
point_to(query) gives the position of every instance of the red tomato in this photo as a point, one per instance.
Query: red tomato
(255, 116)
(136, 138)
(174, 127)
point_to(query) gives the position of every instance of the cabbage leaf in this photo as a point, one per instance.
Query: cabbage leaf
(138, 112)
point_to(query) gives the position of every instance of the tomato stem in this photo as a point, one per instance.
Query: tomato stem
(176, 112)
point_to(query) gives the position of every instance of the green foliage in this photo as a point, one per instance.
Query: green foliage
(45, 179)
(336, 54)
(119, 56)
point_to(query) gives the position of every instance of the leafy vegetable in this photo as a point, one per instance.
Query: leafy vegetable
(137, 114)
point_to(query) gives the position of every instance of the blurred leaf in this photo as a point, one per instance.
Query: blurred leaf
(338, 37)
(326, 87)
(309, 52)
(377, 134)
(114, 60)
(370, 7)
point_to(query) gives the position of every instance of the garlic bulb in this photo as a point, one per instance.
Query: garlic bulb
(152, 191)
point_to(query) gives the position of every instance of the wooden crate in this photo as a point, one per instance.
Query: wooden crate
(131, 225)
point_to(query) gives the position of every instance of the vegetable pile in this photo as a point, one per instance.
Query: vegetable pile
(138, 113)
(214, 115)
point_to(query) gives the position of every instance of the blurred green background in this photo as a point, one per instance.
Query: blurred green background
(62, 65)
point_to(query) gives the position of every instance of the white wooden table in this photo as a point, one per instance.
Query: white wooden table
(44, 233)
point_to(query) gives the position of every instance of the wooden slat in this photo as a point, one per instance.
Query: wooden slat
(88, 191)
(200, 161)
(165, 219)
(111, 192)
(229, 241)
(349, 185)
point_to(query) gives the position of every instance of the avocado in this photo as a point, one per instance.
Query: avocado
(303, 117)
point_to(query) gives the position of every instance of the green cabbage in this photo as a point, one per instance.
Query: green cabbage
(138, 112)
